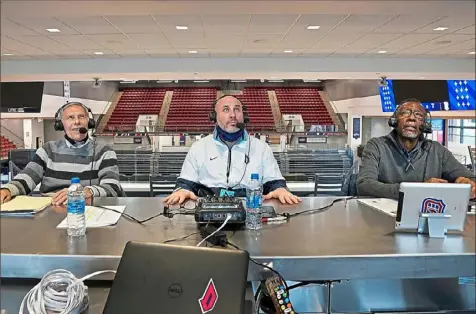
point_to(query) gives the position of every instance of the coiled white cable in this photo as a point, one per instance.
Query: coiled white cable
(59, 291)
(228, 217)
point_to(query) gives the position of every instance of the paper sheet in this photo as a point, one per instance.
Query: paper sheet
(385, 205)
(25, 204)
(97, 217)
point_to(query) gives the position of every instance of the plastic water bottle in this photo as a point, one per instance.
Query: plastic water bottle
(254, 199)
(76, 209)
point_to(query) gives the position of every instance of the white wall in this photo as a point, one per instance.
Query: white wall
(15, 126)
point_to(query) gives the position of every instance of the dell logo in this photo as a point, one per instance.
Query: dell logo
(175, 290)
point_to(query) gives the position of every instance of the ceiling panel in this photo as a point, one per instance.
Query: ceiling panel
(162, 53)
(408, 40)
(10, 28)
(260, 41)
(303, 38)
(16, 57)
(168, 23)
(263, 52)
(9, 43)
(280, 53)
(79, 42)
(106, 54)
(228, 53)
(351, 50)
(338, 39)
(184, 53)
(364, 23)
(271, 23)
(90, 24)
(462, 47)
(443, 41)
(406, 24)
(40, 24)
(131, 53)
(225, 40)
(373, 40)
(136, 24)
(189, 39)
(114, 41)
(225, 24)
(322, 20)
(453, 23)
(42, 42)
(150, 41)
(470, 30)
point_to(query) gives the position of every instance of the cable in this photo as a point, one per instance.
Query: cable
(182, 238)
(168, 214)
(59, 291)
(247, 161)
(228, 217)
(316, 210)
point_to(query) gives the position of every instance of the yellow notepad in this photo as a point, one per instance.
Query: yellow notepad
(25, 204)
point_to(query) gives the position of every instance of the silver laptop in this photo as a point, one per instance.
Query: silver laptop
(444, 198)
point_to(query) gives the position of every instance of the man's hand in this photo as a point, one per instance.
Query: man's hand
(60, 197)
(5, 196)
(468, 181)
(436, 180)
(179, 197)
(284, 196)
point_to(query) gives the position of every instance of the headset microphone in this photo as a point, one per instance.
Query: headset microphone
(83, 130)
(241, 125)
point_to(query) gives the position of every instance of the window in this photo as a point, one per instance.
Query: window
(462, 131)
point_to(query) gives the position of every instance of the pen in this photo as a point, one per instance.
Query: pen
(274, 219)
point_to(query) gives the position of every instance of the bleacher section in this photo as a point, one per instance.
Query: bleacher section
(189, 109)
(137, 166)
(5, 146)
(304, 101)
(134, 102)
(259, 108)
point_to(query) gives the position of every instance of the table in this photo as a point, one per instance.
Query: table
(347, 242)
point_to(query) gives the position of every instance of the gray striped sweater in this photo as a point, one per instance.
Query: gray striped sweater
(57, 162)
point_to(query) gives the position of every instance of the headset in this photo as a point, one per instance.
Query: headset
(424, 128)
(58, 126)
(212, 116)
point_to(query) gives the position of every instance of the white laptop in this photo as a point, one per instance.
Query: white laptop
(444, 198)
(452, 199)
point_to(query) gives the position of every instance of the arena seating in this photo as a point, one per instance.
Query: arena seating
(5, 146)
(259, 108)
(189, 109)
(134, 102)
(304, 101)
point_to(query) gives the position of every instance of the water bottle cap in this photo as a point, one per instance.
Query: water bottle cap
(254, 176)
(75, 180)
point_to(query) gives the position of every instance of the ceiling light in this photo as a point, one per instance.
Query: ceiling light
(313, 27)
(192, 51)
(181, 27)
(471, 53)
(201, 81)
(288, 51)
(382, 51)
(311, 81)
(238, 81)
(440, 28)
(422, 77)
(164, 81)
(98, 53)
(53, 30)
(275, 81)
(8, 54)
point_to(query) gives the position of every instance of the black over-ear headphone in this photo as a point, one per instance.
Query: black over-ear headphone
(424, 128)
(212, 116)
(59, 124)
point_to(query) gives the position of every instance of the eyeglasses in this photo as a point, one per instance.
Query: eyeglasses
(407, 112)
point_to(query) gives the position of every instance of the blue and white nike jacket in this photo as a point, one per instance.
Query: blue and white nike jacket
(212, 164)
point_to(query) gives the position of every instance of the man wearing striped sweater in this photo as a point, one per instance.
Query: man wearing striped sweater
(75, 156)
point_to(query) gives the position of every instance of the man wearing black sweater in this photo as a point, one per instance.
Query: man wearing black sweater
(405, 155)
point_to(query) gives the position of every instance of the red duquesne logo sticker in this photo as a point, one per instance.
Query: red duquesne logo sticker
(209, 299)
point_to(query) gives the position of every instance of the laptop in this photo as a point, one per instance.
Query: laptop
(164, 278)
(443, 198)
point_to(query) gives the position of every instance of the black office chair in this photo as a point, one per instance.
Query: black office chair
(161, 185)
(328, 184)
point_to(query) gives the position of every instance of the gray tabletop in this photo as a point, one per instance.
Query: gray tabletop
(343, 242)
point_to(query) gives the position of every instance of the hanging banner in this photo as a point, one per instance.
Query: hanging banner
(356, 128)
(66, 91)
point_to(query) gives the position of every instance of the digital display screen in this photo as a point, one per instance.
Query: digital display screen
(21, 96)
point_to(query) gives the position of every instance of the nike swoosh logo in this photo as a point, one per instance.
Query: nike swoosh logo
(213, 158)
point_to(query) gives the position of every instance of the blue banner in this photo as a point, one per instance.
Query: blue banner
(387, 98)
(461, 94)
(437, 124)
